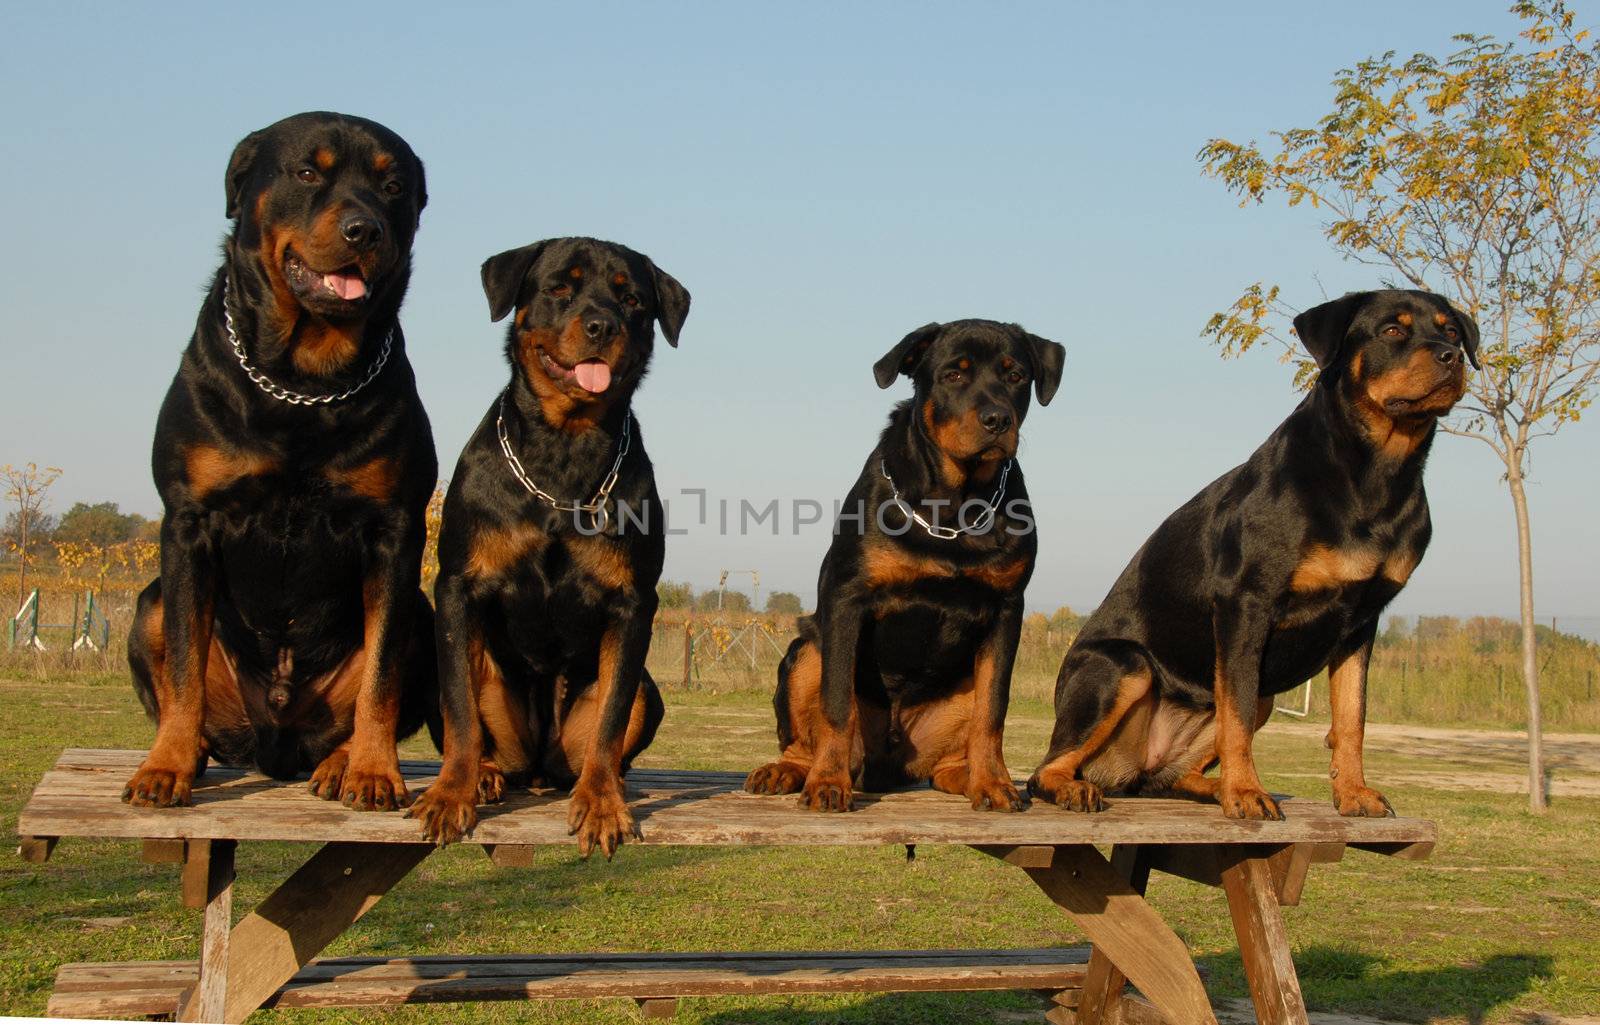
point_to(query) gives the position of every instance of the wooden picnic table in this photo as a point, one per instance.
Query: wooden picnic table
(269, 957)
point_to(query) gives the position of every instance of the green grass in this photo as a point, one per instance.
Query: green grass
(1501, 923)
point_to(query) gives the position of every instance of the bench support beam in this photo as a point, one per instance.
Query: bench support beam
(1126, 931)
(322, 899)
(1247, 878)
(207, 1001)
(1104, 984)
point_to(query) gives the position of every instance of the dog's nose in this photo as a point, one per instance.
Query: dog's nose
(995, 421)
(1447, 355)
(599, 327)
(361, 231)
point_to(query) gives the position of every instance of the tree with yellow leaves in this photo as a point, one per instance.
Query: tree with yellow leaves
(26, 487)
(1476, 176)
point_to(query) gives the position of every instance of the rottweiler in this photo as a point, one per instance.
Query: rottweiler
(288, 628)
(904, 672)
(551, 546)
(1277, 570)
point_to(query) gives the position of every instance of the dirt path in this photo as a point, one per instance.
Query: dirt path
(1492, 760)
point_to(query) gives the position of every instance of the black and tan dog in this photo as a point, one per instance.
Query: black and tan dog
(904, 672)
(1277, 570)
(551, 546)
(295, 462)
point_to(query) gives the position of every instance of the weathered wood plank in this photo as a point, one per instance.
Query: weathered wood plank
(1405, 850)
(1194, 862)
(151, 987)
(1100, 1001)
(1136, 939)
(207, 1001)
(162, 852)
(1263, 941)
(322, 899)
(1031, 856)
(81, 797)
(195, 879)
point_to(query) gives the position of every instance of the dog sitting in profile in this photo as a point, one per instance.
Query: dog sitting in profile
(1278, 569)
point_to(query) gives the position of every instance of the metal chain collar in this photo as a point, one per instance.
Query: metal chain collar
(278, 391)
(595, 508)
(951, 533)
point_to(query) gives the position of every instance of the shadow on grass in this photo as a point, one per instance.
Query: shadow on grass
(1341, 979)
(888, 1009)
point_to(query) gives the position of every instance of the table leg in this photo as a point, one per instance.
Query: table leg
(1247, 879)
(322, 899)
(207, 1001)
(1126, 931)
(1103, 983)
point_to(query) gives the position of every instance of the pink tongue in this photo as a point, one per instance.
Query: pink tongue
(593, 375)
(345, 286)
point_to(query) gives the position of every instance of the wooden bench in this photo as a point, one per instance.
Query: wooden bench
(268, 958)
(655, 981)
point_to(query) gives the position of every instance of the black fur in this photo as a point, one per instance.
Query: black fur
(288, 526)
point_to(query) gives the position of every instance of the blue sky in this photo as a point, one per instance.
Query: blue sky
(822, 177)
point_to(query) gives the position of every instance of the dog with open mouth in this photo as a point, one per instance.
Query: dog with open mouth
(288, 629)
(551, 546)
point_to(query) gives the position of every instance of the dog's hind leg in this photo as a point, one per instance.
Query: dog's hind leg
(1096, 692)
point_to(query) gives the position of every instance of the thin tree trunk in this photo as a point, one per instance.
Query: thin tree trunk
(1530, 661)
(22, 562)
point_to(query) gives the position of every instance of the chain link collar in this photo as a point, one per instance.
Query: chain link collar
(278, 391)
(595, 508)
(951, 533)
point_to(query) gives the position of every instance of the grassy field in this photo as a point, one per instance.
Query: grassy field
(1501, 925)
(1443, 671)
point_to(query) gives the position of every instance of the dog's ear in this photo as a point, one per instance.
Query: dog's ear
(672, 303)
(503, 275)
(1048, 360)
(422, 185)
(907, 353)
(239, 165)
(1322, 329)
(1469, 334)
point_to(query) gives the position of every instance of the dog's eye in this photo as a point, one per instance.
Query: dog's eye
(392, 187)
(631, 301)
(1015, 377)
(1451, 333)
(1394, 331)
(561, 292)
(953, 376)
(307, 174)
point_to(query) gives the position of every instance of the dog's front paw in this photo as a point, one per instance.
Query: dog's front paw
(598, 816)
(447, 813)
(996, 794)
(160, 786)
(327, 779)
(372, 787)
(491, 783)
(827, 792)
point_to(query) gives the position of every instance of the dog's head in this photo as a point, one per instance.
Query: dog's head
(584, 325)
(325, 207)
(1400, 354)
(972, 381)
